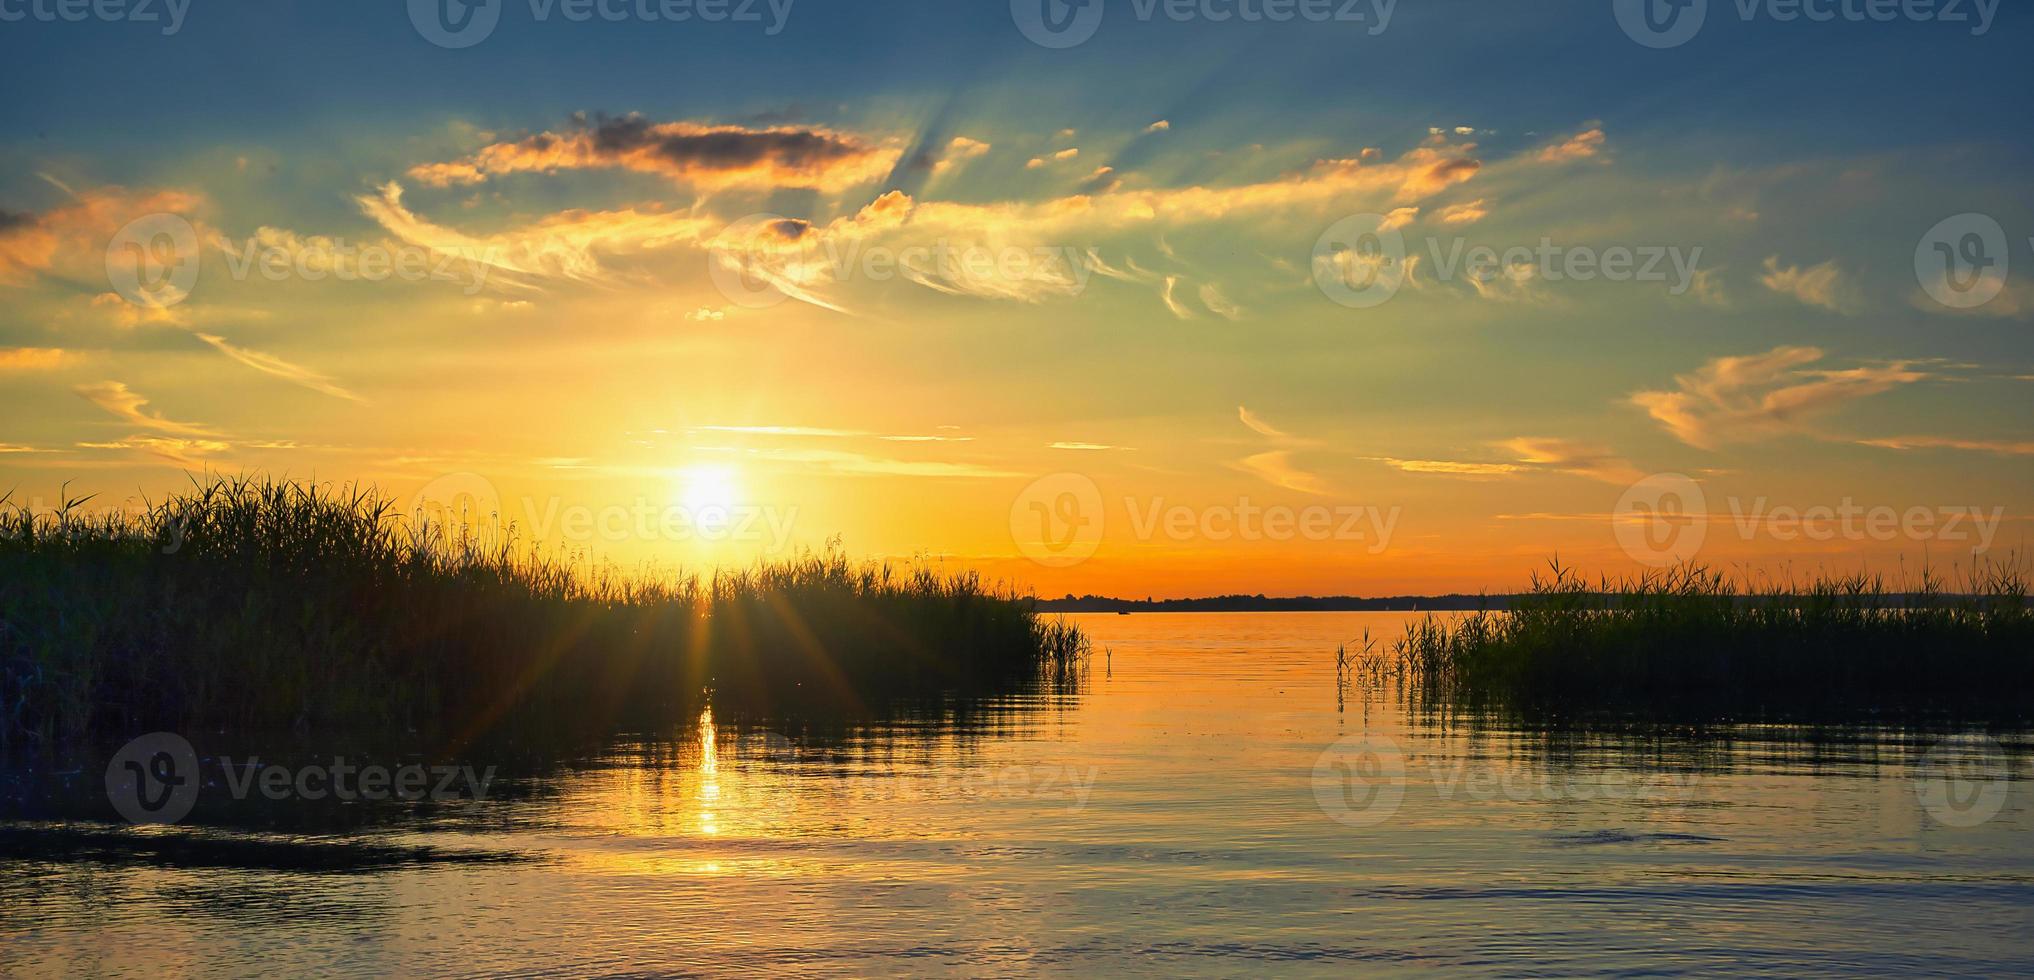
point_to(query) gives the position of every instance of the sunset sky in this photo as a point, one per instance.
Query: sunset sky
(894, 272)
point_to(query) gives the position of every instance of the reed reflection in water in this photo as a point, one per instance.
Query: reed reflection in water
(1186, 812)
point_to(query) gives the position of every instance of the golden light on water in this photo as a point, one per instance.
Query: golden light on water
(709, 773)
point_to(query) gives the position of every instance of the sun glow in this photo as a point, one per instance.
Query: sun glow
(709, 487)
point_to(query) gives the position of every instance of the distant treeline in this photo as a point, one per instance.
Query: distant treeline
(1453, 602)
(1261, 603)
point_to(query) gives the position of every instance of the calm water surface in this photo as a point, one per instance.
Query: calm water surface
(1212, 802)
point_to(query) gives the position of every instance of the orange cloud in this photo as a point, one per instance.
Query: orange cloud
(75, 235)
(31, 358)
(1581, 146)
(1736, 399)
(1817, 285)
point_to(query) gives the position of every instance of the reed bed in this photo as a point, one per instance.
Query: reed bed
(1693, 641)
(274, 605)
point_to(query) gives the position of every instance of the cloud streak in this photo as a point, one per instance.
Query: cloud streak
(1759, 396)
(129, 406)
(276, 366)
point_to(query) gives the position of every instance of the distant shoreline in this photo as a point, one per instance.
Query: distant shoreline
(1455, 602)
(1247, 603)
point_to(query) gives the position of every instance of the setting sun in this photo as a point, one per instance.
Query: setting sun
(709, 489)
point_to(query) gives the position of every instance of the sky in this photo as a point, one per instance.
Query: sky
(1126, 297)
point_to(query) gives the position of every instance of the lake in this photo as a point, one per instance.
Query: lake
(1211, 801)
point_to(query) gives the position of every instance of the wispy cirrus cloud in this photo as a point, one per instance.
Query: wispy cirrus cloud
(1219, 303)
(276, 366)
(1820, 286)
(1577, 458)
(842, 461)
(2001, 447)
(1255, 424)
(184, 452)
(821, 432)
(1277, 467)
(1529, 455)
(568, 245)
(1758, 396)
(1450, 467)
(128, 405)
